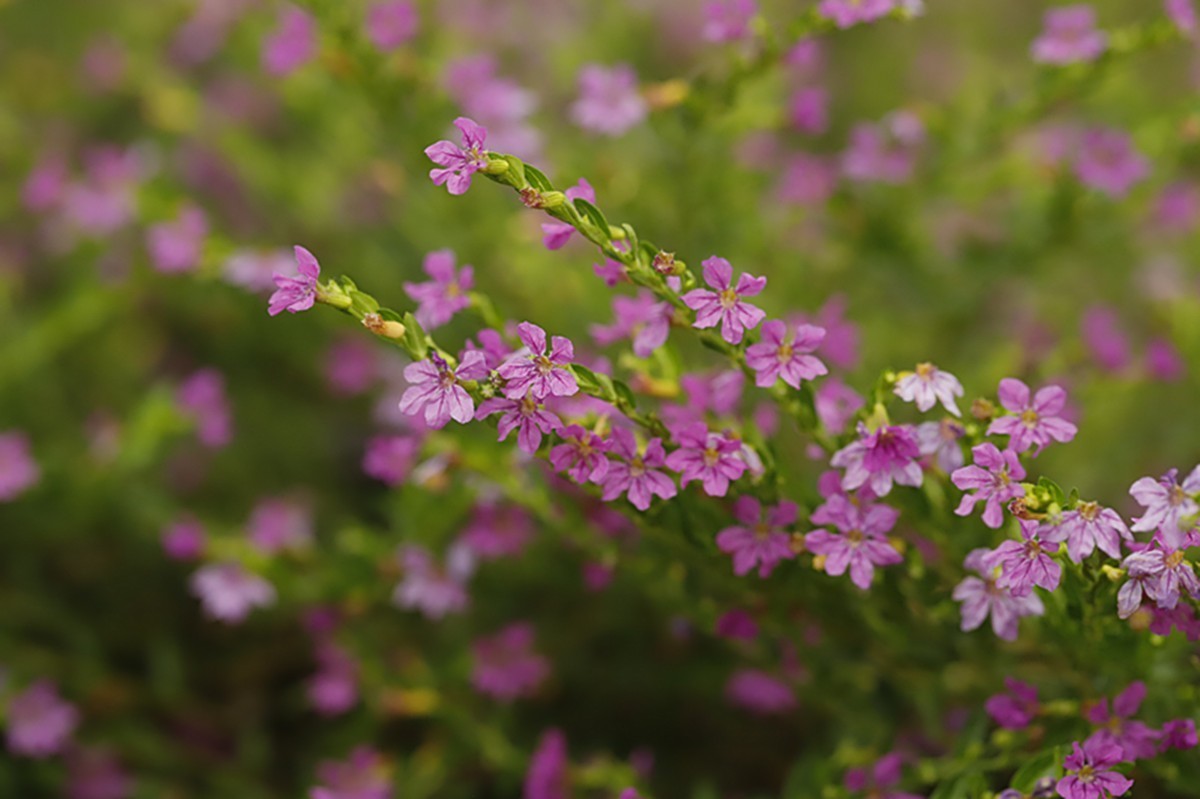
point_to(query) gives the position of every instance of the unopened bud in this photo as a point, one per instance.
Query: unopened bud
(496, 166)
(819, 563)
(796, 544)
(665, 264)
(983, 409)
(387, 328)
(542, 199)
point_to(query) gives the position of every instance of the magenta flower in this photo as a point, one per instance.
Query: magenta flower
(728, 20)
(643, 319)
(458, 164)
(808, 110)
(278, 524)
(1183, 14)
(546, 777)
(1090, 774)
(183, 539)
(982, 596)
(609, 102)
(875, 154)
(536, 372)
(1108, 162)
(295, 294)
(391, 23)
(636, 474)
(845, 13)
(760, 540)
(877, 459)
(430, 588)
(1032, 422)
(556, 234)
(333, 689)
(361, 776)
(929, 385)
(444, 296)
(759, 692)
(505, 665)
(1108, 343)
(1117, 728)
(202, 397)
(1171, 507)
(726, 305)
(1158, 573)
(436, 390)
(736, 625)
(836, 404)
(18, 470)
(994, 477)
(94, 773)
(390, 459)
(611, 272)
(292, 44)
(709, 457)
(351, 366)
(878, 781)
(228, 592)
(581, 455)
(1069, 35)
(497, 530)
(784, 352)
(1087, 527)
(39, 722)
(1015, 708)
(939, 440)
(806, 180)
(862, 544)
(1025, 563)
(529, 418)
(176, 246)
(1179, 734)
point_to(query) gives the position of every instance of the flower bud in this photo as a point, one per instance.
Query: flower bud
(387, 328)
(983, 409)
(333, 294)
(665, 264)
(495, 166)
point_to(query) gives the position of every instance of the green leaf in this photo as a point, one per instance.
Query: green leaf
(346, 283)
(518, 170)
(1043, 764)
(362, 303)
(624, 394)
(593, 215)
(538, 179)
(415, 339)
(390, 315)
(588, 381)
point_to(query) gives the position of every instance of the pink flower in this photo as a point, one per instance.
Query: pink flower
(709, 457)
(1105, 339)
(1183, 14)
(497, 530)
(981, 596)
(609, 102)
(228, 592)
(846, 13)
(1087, 527)
(1026, 563)
(784, 352)
(1014, 709)
(546, 777)
(39, 722)
(806, 180)
(876, 154)
(436, 392)
(202, 397)
(1179, 734)
(761, 540)
(929, 385)
(877, 782)
(430, 588)
(878, 458)
(940, 440)
(581, 455)
(1135, 739)
(292, 44)
(18, 470)
(253, 270)
(728, 20)
(505, 665)
(391, 23)
(528, 417)
(643, 319)
(94, 773)
(44, 187)
(1108, 162)
(279, 524)
(444, 296)
(994, 477)
(557, 234)
(1170, 507)
(295, 294)
(536, 372)
(1160, 574)
(1033, 422)
(737, 625)
(183, 539)
(725, 305)
(836, 404)
(176, 246)
(362, 776)
(1090, 774)
(1163, 360)
(1069, 36)
(808, 110)
(390, 459)
(459, 163)
(333, 689)
(636, 474)
(862, 544)
(759, 692)
(351, 366)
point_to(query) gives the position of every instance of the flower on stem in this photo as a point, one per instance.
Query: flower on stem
(759, 692)
(1086, 528)
(546, 777)
(1170, 506)
(981, 596)
(636, 474)
(1015, 708)
(1031, 422)
(609, 102)
(725, 306)
(783, 351)
(39, 723)
(536, 372)
(556, 234)
(436, 391)
(643, 319)
(1025, 563)
(458, 164)
(18, 470)
(1117, 726)
(506, 667)
(444, 296)
(879, 779)
(581, 455)
(432, 589)
(760, 540)
(862, 544)
(361, 776)
(940, 440)
(1090, 774)
(228, 592)
(880, 457)
(709, 457)
(845, 13)
(1158, 572)
(391, 23)
(527, 416)
(929, 385)
(295, 294)
(1108, 162)
(1069, 36)
(995, 478)
(728, 20)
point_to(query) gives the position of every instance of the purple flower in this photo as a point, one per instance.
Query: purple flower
(836, 404)
(391, 23)
(1183, 14)
(528, 417)
(876, 154)
(862, 544)
(736, 625)
(497, 530)
(728, 20)
(431, 589)
(228, 592)
(435, 389)
(783, 352)
(361, 776)
(1179, 734)
(390, 459)
(982, 595)
(295, 294)
(845, 13)
(1087, 527)
(609, 102)
(881, 777)
(536, 372)
(611, 272)
(878, 458)
(1015, 708)
(546, 777)
(636, 474)
(1108, 343)
(18, 470)
(351, 366)
(1025, 563)
(1118, 728)
(806, 180)
(202, 397)
(581, 455)
(557, 234)
(505, 665)
(1032, 422)
(643, 319)
(446, 294)
(929, 385)
(253, 270)
(995, 478)
(176, 246)
(759, 692)
(333, 689)
(39, 722)
(1090, 774)
(1108, 162)
(760, 540)
(278, 524)
(726, 306)
(459, 163)
(808, 110)
(1160, 574)
(1069, 36)
(183, 539)
(292, 44)
(94, 773)
(708, 457)
(940, 440)
(1170, 506)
